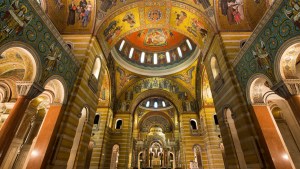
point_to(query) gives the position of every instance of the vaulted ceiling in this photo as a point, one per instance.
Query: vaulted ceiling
(157, 28)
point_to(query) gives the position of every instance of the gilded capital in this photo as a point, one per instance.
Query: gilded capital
(29, 89)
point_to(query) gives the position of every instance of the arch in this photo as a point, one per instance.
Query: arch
(96, 122)
(119, 123)
(59, 87)
(5, 92)
(257, 86)
(197, 155)
(193, 124)
(96, 119)
(96, 68)
(76, 142)
(114, 157)
(260, 92)
(286, 60)
(32, 56)
(157, 115)
(140, 159)
(237, 148)
(156, 93)
(215, 68)
(172, 160)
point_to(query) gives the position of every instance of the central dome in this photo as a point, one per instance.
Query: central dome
(155, 40)
(155, 50)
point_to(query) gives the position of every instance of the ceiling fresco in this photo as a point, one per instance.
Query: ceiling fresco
(239, 15)
(187, 78)
(91, 16)
(72, 16)
(125, 79)
(126, 98)
(154, 40)
(163, 15)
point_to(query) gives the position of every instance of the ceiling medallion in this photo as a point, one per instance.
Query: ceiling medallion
(154, 15)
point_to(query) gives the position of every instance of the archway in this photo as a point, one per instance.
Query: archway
(77, 138)
(39, 119)
(260, 96)
(114, 157)
(198, 156)
(235, 138)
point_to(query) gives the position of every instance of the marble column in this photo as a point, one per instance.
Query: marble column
(26, 92)
(41, 149)
(273, 141)
(289, 89)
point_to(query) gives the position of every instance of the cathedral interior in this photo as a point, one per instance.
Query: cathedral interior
(150, 84)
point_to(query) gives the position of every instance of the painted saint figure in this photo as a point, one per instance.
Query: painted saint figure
(180, 17)
(262, 56)
(233, 9)
(129, 18)
(72, 10)
(53, 57)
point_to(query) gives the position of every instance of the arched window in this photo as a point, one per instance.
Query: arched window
(96, 122)
(114, 157)
(193, 123)
(215, 68)
(197, 156)
(119, 123)
(216, 119)
(76, 141)
(97, 68)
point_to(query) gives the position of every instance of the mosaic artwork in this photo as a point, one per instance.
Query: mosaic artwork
(260, 56)
(120, 24)
(239, 14)
(292, 12)
(154, 15)
(233, 10)
(190, 23)
(80, 15)
(159, 20)
(19, 22)
(156, 37)
(187, 101)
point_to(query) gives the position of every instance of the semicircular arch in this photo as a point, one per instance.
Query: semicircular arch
(33, 66)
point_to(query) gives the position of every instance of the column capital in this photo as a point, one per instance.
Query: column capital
(29, 89)
(287, 88)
